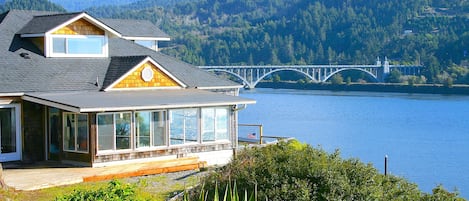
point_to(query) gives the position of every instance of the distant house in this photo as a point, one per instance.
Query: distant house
(82, 90)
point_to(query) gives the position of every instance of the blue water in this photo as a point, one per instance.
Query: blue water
(426, 137)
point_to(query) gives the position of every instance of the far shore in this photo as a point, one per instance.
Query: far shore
(371, 87)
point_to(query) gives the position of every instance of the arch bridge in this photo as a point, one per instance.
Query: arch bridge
(251, 75)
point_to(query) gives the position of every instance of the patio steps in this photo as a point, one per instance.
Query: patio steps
(147, 168)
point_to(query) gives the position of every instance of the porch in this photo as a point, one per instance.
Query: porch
(49, 174)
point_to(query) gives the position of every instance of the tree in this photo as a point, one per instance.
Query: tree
(394, 77)
(337, 79)
(448, 82)
(276, 78)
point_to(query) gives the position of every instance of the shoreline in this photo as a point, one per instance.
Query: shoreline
(371, 87)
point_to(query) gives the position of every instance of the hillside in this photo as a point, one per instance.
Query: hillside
(82, 5)
(434, 33)
(214, 32)
(44, 5)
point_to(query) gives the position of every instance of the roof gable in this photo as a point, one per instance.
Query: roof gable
(45, 24)
(136, 29)
(138, 72)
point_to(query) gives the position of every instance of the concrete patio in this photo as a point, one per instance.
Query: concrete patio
(47, 174)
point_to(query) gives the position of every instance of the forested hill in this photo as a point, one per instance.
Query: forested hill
(434, 33)
(74, 5)
(44, 5)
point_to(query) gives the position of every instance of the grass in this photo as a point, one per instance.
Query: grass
(153, 187)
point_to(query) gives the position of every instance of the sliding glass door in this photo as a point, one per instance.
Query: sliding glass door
(10, 145)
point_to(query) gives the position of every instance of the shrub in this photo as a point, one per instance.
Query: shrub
(295, 171)
(115, 191)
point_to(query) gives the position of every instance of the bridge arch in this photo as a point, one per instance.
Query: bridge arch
(347, 69)
(278, 70)
(236, 75)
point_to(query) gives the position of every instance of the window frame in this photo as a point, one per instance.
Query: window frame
(152, 131)
(197, 124)
(51, 53)
(215, 124)
(76, 134)
(167, 117)
(114, 134)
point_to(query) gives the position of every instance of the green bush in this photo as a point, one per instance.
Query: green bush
(115, 191)
(296, 171)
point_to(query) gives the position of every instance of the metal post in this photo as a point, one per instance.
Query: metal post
(385, 165)
(260, 134)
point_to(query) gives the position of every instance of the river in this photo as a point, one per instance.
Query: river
(426, 137)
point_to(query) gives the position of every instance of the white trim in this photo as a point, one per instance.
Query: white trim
(222, 87)
(77, 109)
(33, 35)
(147, 59)
(90, 20)
(50, 44)
(11, 94)
(146, 38)
(144, 88)
(114, 150)
(52, 104)
(18, 154)
(157, 107)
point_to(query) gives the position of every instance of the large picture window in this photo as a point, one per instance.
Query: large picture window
(215, 123)
(75, 136)
(150, 128)
(73, 45)
(114, 131)
(183, 124)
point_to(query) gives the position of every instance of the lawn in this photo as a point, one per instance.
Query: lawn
(152, 187)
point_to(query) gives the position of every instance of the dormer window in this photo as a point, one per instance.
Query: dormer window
(78, 46)
(69, 35)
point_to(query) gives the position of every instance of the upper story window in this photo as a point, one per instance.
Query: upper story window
(78, 46)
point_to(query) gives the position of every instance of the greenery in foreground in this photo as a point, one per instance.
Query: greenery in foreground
(295, 171)
(287, 171)
(154, 187)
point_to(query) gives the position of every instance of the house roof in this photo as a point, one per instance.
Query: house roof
(44, 23)
(24, 68)
(84, 101)
(136, 28)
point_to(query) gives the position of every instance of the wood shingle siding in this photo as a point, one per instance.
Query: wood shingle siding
(135, 80)
(80, 27)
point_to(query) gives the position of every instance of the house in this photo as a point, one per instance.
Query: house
(92, 92)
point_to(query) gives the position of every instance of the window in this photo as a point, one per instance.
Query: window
(148, 43)
(143, 122)
(215, 123)
(123, 125)
(159, 128)
(75, 134)
(150, 129)
(76, 46)
(114, 131)
(183, 124)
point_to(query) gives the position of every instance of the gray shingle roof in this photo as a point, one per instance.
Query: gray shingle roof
(85, 101)
(35, 73)
(135, 28)
(44, 23)
(120, 66)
